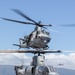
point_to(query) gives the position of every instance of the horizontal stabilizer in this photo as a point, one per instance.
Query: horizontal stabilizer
(16, 45)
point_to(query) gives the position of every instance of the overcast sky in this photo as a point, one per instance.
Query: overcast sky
(53, 12)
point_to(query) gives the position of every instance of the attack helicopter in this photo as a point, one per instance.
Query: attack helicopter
(37, 66)
(37, 39)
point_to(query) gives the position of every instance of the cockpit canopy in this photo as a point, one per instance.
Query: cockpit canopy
(42, 70)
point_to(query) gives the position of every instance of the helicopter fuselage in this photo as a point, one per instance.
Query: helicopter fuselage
(37, 39)
(37, 67)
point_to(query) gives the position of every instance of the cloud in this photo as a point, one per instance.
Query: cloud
(68, 60)
(13, 58)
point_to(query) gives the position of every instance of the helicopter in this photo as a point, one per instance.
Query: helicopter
(37, 65)
(37, 39)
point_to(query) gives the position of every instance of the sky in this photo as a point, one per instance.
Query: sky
(55, 12)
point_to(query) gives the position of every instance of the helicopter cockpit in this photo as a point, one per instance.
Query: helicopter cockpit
(45, 70)
(42, 70)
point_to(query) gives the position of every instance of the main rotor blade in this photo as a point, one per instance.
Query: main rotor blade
(28, 18)
(52, 30)
(36, 51)
(30, 51)
(23, 15)
(71, 51)
(18, 21)
(23, 22)
(68, 25)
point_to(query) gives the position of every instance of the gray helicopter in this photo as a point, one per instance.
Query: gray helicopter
(37, 66)
(37, 39)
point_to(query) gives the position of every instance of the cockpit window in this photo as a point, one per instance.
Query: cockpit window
(43, 70)
(43, 31)
(52, 69)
